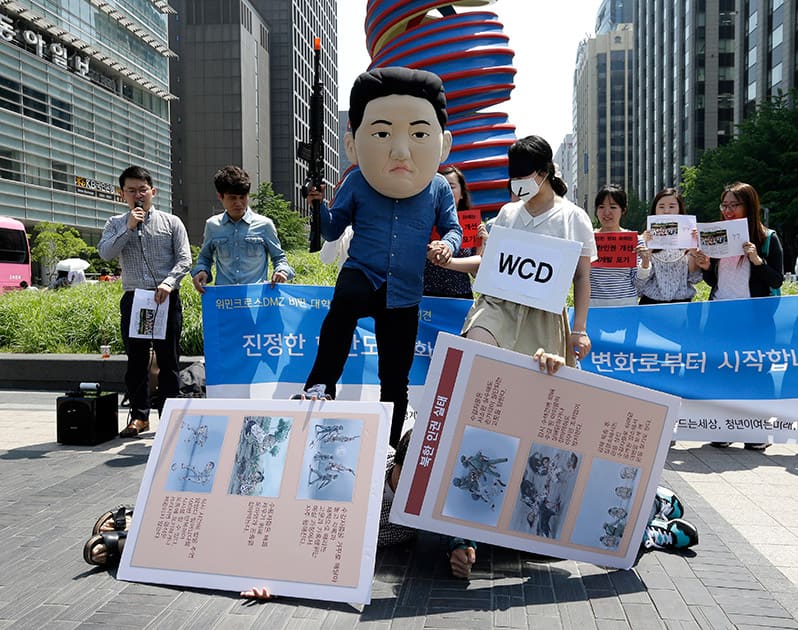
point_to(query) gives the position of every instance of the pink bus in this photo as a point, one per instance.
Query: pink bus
(14, 254)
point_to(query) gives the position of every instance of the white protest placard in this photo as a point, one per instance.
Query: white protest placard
(528, 268)
(284, 494)
(564, 465)
(723, 239)
(148, 319)
(671, 231)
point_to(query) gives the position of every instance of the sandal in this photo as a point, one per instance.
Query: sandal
(135, 428)
(114, 543)
(120, 516)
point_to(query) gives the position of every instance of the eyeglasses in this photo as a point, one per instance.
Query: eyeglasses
(730, 207)
(135, 191)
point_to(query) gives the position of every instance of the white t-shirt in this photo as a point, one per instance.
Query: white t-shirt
(564, 220)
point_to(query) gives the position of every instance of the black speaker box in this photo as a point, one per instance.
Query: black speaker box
(87, 420)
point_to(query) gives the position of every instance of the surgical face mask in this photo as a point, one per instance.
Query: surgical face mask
(524, 188)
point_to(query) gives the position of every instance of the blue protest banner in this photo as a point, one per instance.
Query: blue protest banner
(734, 362)
(262, 341)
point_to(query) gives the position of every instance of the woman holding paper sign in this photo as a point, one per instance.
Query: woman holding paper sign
(540, 208)
(759, 272)
(451, 279)
(666, 275)
(611, 285)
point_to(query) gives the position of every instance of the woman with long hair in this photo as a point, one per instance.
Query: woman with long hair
(666, 275)
(452, 279)
(758, 272)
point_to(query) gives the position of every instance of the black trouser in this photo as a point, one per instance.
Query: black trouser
(167, 353)
(644, 299)
(395, 331)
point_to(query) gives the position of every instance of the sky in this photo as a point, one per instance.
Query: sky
(544, 36)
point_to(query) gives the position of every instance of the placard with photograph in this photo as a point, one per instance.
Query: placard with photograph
(284, 494)
(564, 465)
(148, 319)
(528, 268)
(723, 239)
(671, 231)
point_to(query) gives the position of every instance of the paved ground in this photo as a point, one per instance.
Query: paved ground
(742, 575)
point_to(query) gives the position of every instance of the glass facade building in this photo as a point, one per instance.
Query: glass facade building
(294, 24)
(604, 107)
(84, 93)
(701, 68)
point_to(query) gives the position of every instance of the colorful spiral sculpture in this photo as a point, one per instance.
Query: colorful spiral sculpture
(470, 53)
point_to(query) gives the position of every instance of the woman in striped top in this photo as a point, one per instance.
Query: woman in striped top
(612, 286)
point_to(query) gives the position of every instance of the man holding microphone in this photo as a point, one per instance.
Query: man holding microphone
(154, 253)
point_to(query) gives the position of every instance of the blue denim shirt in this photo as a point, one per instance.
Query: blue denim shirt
(240, 249)
(391, 235)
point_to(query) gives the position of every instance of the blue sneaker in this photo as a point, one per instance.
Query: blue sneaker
(673, 534)
(667, 505)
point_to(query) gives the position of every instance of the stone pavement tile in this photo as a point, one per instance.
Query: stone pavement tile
(693, 592)
(677, 624)
(612, 624)
(577, 615)
(643, 617)
(606, 606)
(508, 612)
(756, 621)
(670, 604)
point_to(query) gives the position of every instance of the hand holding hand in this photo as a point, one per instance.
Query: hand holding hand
(438, 253)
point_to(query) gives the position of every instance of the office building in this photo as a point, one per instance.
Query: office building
(603, 101)
(565, 158)
(293, 25)
(84, 93)
(701, 67)
(221, 77)
(613, 13)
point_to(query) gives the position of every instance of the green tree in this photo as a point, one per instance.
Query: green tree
(764, 154)
(53, 242)
(291, 227)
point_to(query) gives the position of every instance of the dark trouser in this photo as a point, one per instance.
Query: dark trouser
(644, 299)
(395, 331)
(167, 352)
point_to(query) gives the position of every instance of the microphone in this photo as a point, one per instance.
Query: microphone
(138, 225)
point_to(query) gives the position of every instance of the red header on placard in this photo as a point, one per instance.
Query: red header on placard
(433, 430)
(616, 249)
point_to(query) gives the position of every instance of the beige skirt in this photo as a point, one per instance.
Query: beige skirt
(522, 328)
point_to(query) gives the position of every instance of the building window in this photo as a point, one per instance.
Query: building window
(61, 175)
(61, 113)
(34, 104)
(9, 95)
(10, 165)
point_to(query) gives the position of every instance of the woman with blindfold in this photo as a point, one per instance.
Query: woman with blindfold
(539, 207)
